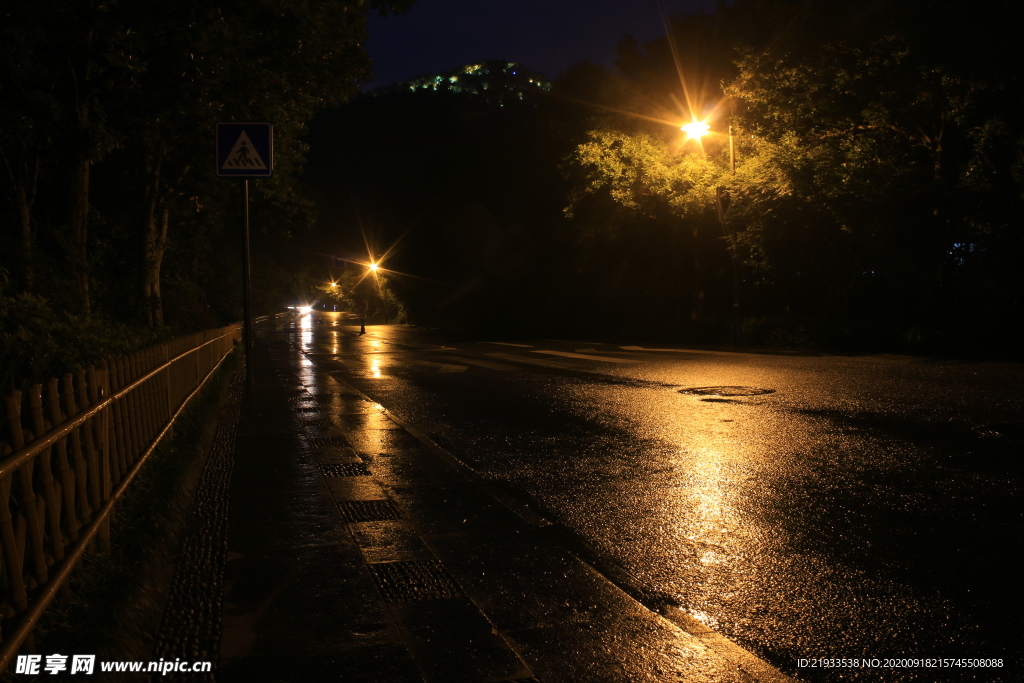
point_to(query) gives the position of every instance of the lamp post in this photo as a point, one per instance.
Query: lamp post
(732, 153)
(374, 267)
(696, 130)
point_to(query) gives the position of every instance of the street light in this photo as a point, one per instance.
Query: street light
(695, 130)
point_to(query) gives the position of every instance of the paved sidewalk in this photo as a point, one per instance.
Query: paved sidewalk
(358, 551)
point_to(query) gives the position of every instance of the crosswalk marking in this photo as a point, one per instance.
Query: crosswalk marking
(716, 353)
(485, 364)
(586, 356)
(417, 345)
(461, 363)
(441, 367)
(339, 359)
(613, 353)
(532, 361)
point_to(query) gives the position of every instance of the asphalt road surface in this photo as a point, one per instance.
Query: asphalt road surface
(808, 507)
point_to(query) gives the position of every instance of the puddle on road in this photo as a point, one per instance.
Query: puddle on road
(726, 391)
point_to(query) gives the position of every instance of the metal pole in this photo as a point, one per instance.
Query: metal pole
(732, 152)
(737, 329)
(247, 330)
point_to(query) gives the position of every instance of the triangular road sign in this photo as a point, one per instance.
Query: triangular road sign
(243, 156)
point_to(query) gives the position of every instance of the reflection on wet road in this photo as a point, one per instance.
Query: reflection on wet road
(855, 511)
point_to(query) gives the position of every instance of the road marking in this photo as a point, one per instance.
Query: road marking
(441, 367)
(613, 353)
(336, 358)
(586, 356)
(415, 345)
(486, 364)
(716, 353)
(524, 346)
(533, 361)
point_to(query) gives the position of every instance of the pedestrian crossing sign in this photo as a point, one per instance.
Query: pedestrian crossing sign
(245, 150)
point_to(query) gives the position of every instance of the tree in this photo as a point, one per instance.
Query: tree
(663, 185)
(143, 84)
(864, 169)
(273, 61)
(868, 155)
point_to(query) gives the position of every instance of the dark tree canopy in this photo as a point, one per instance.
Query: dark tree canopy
(109, 205)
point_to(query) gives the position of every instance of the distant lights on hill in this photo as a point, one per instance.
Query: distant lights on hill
(492, 80)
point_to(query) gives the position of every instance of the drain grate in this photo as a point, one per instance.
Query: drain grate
(345, 469)
(317, 423)
(307, 409)
(327, 441)
(368, 510)
(726, 391)
(414, 581)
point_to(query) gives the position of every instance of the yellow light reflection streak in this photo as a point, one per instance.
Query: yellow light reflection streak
(709, 516)
(306, 329)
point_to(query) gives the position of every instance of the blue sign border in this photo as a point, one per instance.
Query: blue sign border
(261, 135)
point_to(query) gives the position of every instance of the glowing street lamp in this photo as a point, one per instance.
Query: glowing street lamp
(698, 129)
(373, 267)
(695, 130)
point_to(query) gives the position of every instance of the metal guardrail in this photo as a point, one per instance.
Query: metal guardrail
(71, 461)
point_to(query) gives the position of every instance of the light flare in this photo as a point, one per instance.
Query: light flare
(695, 130)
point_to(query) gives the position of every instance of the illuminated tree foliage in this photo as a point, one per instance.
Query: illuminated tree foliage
(368, 295)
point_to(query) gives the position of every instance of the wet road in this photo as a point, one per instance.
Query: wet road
(805, 507)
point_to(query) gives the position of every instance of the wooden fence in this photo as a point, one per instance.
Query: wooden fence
(75, 447)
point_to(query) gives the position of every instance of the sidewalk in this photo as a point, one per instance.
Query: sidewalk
(358, 551)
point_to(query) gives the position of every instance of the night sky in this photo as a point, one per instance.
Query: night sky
(543, 35)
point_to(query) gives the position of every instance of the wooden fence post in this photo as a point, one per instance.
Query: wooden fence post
(75, 438)
(67, 477)
(26, 498)
(35, 395)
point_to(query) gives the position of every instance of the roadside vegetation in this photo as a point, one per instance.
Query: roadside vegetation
(112, 220)
(875, 201)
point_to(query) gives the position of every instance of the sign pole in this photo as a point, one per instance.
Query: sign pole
(247, 330)
(245, 150)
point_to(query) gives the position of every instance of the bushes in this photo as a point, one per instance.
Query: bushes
(37, 342)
